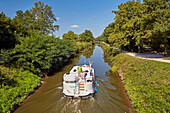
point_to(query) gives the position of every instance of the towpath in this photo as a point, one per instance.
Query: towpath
(147, 56)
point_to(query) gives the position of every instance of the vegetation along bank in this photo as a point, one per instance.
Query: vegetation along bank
(146, 82)
(29, 50)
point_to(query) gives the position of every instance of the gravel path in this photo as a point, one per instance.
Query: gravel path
(148, 56)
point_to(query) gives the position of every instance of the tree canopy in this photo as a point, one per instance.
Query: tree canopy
(7, 37)
(86, 36)
(70, 36)
(140, 24)
(40, 17)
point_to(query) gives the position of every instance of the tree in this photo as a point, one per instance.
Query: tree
(107, 31)
(157, 23)
(39, 53)
(86, 36)
(7, 37)
(128, 25)
(69, 36)
(40, 17)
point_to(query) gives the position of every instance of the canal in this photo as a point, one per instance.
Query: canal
(110, 98)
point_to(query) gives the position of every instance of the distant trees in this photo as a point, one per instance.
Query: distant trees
(86, 36)
(140, 24)
(70, 36)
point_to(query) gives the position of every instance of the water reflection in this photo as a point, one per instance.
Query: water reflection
(88, 52)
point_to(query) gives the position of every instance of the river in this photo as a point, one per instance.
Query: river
(110, 98)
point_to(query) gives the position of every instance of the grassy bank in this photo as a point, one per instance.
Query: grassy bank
(147, 82)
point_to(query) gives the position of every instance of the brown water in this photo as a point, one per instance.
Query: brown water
(110, 97)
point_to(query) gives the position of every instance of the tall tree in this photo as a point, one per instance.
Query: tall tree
(157, 23)
(128, 25)
(40, 17)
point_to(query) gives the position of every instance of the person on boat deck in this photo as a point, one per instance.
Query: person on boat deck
(90, 63)
(82, 74)
(79, 70)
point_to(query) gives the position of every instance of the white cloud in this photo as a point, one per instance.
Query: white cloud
(58, 18)
(74, 26)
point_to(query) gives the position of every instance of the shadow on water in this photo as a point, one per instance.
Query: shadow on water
(110, 97)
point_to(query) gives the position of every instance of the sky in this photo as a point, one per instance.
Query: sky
(74, 15)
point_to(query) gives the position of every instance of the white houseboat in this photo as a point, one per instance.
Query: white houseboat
(77, 85)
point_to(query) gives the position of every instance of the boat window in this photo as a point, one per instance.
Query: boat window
(91, 73)
(69, 81)
(86, 71)
(74, 70)
(89, 80)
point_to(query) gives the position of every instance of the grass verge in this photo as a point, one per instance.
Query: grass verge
(146, 82)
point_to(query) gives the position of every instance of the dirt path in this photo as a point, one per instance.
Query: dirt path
(147, 56)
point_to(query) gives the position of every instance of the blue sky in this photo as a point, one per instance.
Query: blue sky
(75, 15)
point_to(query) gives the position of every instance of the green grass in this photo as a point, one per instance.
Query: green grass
(15, 86)
(114, 68)
(147, 83)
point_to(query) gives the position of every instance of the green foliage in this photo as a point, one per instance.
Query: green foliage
(128, 25)
(7, 37)
(137, 24)
(114, 68)
(86, 36)
(15, 86)
(105, 35)
(70, 36)
(157, 23)
(39, 53)
(32, 52)
(40, 17)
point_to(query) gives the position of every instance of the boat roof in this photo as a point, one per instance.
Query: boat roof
(85, 68)
(74, 73)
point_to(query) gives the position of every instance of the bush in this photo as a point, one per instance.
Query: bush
(15, 86)
(39, 53)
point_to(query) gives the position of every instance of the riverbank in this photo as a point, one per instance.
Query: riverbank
(146, 82)
(18, 84)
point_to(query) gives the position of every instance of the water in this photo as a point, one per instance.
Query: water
(110, 97)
